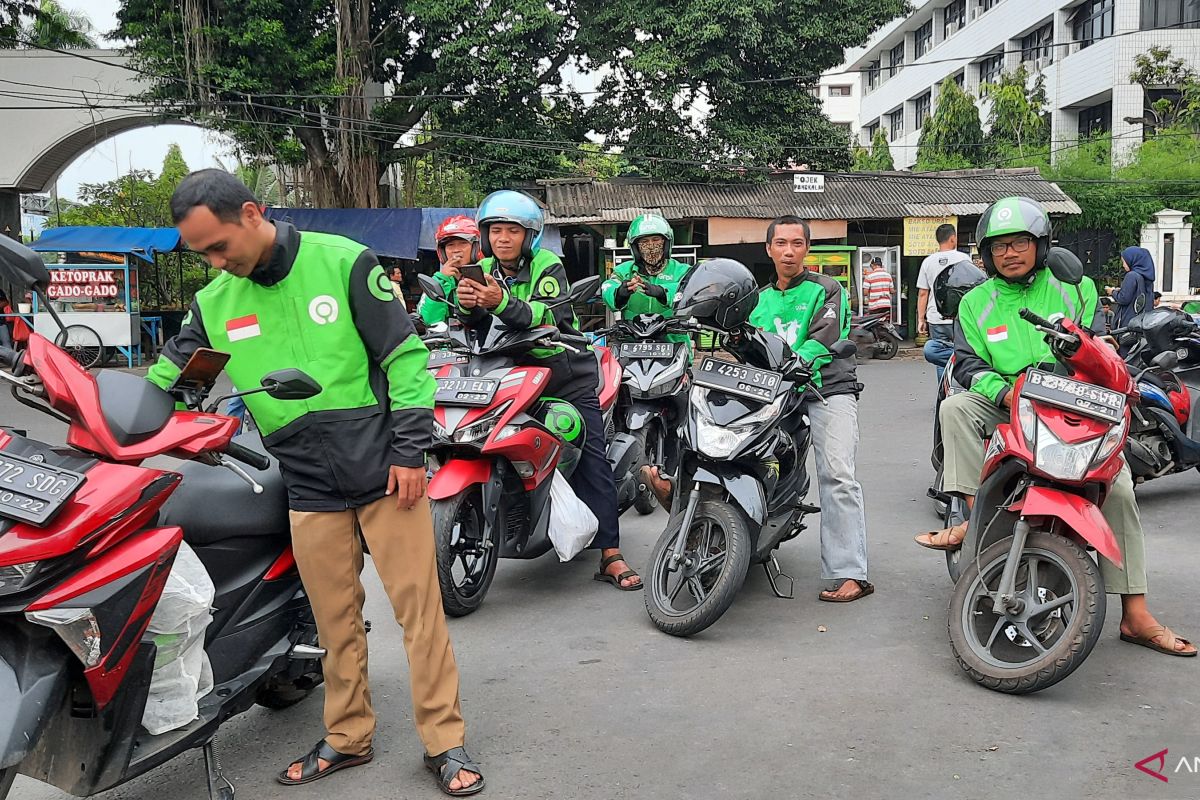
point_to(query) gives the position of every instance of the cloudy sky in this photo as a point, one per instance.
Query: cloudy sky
(143, 148)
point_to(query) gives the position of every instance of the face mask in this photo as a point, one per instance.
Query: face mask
(652, 255)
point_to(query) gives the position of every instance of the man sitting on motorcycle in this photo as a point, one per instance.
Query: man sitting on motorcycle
(993, 347)
(521, 279)
(647, 284)
(457, 240)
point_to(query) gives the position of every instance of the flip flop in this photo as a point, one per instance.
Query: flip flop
(310, 767)
(615, 580)
(447, 766)
(1166, 643)
(950, 546)
(867, 589)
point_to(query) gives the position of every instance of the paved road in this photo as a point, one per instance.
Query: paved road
(570, 692)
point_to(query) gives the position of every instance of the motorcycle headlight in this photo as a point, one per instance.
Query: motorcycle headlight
(722, 441)
(1028, 419)
(439, 432)
(77, 627)
(1058, 459)
(1111, 441)
(664, 382)
(480, 427)
(13, 576)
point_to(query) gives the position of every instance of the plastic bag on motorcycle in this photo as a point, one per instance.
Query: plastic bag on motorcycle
(182, 674)
(572, 523)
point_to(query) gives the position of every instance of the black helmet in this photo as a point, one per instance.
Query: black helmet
(719, 292)
(952, 284)
(1013, 215)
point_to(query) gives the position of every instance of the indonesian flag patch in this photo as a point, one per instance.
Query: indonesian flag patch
(997, 334)
(243, 328)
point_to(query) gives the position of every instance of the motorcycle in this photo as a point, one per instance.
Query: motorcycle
(1028, 602)
(876, 332)
(653, 395)
(87, 539)
(1164, 435)
(741, 483)
(950, 509)
(497, 446)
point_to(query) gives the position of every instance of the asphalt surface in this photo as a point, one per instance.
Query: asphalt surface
(570, 692)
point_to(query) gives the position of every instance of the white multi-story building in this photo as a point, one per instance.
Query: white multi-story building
(840, 94)
(1084, 48)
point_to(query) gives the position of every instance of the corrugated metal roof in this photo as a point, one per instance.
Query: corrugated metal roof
(858, 196)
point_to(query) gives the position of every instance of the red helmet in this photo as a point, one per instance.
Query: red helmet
(458, 227)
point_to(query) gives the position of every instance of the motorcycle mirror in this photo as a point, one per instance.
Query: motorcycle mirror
(584, 289)
(432, 288)
(1065, 265)
(843, 348)
(290, 384)
(22, 267)
(1168, 359)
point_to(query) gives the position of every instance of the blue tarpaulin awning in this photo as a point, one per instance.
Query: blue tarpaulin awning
(140, 242)
(390, 232)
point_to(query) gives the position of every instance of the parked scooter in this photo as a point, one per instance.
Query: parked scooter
(876, 333)
(88, 540)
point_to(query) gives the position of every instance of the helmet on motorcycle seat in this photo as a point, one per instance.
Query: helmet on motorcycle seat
(458, 226)
(952, 284)
(650, 225)
(719, 292)
(518, 208)
(1013, 215)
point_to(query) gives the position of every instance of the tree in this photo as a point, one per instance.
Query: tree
(951, 138)
(1172, 91)
(45, 24)
(1017, 125)
(686, 89)
(876, 159)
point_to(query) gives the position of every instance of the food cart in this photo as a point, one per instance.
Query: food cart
(100, 302)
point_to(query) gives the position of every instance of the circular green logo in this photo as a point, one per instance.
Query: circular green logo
(565, 422)
(548, 286)
(380, 285)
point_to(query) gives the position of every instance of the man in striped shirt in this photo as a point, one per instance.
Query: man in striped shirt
(878, 289)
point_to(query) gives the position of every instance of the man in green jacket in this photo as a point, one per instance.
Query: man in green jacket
(457, 242)
(647, 284)
(352, 457)
(993, 347)
(522, 284)
(811, 312)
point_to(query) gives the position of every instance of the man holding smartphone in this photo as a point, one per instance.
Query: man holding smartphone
(457, 241)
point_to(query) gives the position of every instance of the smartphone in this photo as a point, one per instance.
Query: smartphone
(472, 272)
(201, 370)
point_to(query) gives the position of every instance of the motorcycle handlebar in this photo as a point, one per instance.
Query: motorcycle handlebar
(248, 456)
(1034, 319)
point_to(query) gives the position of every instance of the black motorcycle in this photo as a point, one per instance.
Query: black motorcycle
(877, 334)
(741, 482)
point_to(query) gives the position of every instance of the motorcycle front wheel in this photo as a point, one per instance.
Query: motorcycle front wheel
(1059, 619)
(886, 348)
(686, 597)
(466, 557)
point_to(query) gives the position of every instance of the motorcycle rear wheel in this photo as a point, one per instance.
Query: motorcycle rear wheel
(886, 349)
(715, 561)
(467, 562)
(1030, 651)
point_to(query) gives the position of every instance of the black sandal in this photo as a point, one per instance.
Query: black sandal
(615, 580)
(447, 766)
(865, 587)
(310, 767)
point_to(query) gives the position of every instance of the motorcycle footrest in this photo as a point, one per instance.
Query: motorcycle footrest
(807, 509)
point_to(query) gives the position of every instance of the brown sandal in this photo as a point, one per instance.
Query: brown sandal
(949, 541)
(1166, 641)
(615, 580)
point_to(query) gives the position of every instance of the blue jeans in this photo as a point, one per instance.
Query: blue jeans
(940, 346)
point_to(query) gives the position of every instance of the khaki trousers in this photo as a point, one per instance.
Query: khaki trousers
(968, 419)
(330, 557)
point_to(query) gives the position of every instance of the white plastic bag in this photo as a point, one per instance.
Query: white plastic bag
(572, 523)
(182, 674)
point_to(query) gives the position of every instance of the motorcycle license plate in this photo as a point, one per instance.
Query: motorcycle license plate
(33, 492)
(647, 350)
(465, 391)
(1073, 395)
(440, 358)
(739, 379)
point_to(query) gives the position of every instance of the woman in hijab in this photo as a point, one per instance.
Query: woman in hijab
(1136, 293)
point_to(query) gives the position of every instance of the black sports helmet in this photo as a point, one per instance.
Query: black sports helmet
(719, 292)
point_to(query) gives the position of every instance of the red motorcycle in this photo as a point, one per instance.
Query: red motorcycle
(497, 444)
(87, 539)
(1028, 602)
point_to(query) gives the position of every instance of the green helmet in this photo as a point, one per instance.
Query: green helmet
(649, 225)
(1013, 215)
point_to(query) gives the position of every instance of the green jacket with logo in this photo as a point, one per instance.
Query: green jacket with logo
(993, 345)
(435, 311)
(527, 296)
(631, 304)
(811, 315)
(322, 304)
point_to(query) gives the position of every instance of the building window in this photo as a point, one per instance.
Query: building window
(960, 79)
(954, 17)
(840, 91)
(988, 5)
(844, 127)
(923, 105)
(896, 59)
(923, 39)
(1170, 14)
(874, 75)
(990, 68)
(1092, 21)
(896, 123)
(813, 91)
(870, 131)
(1095, 120)
(1039, 44)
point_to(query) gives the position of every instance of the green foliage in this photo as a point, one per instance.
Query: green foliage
(45, 24)
(1017, 123)
(950, 138)
(877, 158)
(1156, 69)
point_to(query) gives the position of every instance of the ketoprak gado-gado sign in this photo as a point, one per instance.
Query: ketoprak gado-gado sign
(74, 285)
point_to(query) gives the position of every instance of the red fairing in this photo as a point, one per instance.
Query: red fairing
(610, 369)
(284, 565)
(521, 386)
(533, 444)
(72, 390)
(1181, 403)
(1096, 362)
(1077, 513)
(457, 475)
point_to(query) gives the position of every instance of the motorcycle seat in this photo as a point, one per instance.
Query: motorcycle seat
(212, 504)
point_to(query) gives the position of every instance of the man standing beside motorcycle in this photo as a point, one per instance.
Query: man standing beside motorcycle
(521, 280)
(993, 347)
(457, 241)
(812, 312)
(352, 457)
